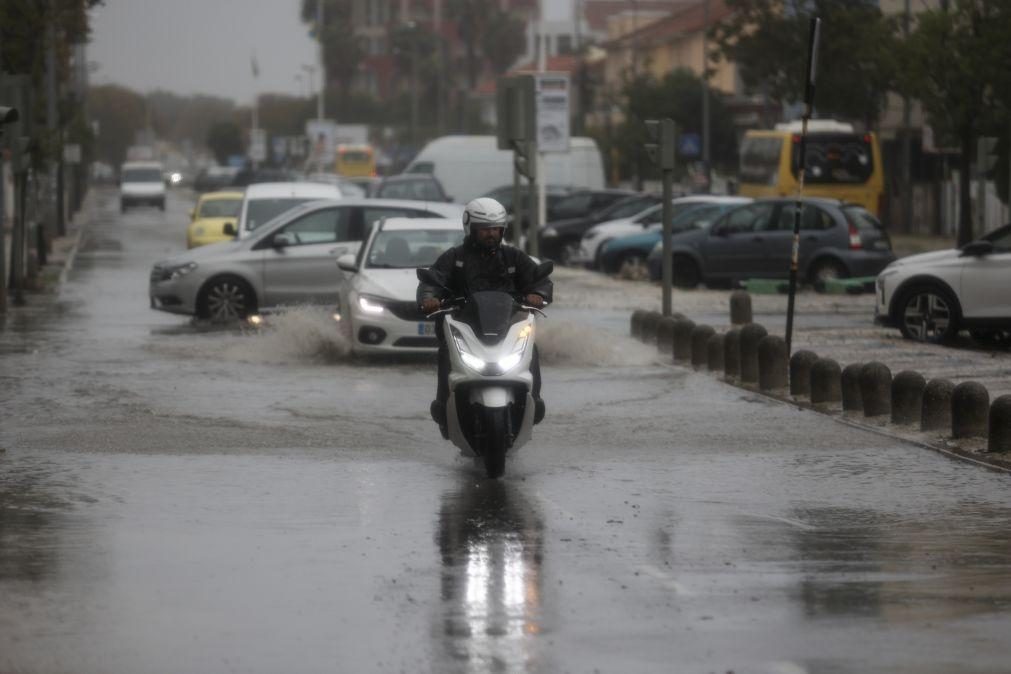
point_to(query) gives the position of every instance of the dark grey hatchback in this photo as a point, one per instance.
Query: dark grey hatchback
(837, 240)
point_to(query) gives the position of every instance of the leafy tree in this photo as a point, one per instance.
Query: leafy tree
(858, 66)
(342, 52)
(678, 96)
(956, 65)
(120, 113)
(225, 139)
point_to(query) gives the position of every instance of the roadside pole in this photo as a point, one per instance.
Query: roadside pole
(812, 69)
(516, 126)
(661, 150)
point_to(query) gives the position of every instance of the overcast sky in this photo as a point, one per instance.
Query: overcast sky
(201, 46)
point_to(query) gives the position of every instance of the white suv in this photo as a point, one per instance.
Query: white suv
(141, 182)
(930, 297)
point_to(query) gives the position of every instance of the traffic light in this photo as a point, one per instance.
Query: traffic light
(986, 154)
(660, 147)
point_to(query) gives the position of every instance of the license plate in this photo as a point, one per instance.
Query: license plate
(426, 328)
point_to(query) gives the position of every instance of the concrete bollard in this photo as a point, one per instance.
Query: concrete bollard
(850, 384)
(907, 397)
(751, 334)
(826, 382)
(772, 363)
(970, 410)
(935, 414)
(649, 323)
(732, 353)
(636, 322)
(700, 345)
(665, 335)
(876, 389)
(740, 308)
(683, 338)
(714, 353)
(800, 372)
(1000, 425)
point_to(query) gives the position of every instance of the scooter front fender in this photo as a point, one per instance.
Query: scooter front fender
(491, 396)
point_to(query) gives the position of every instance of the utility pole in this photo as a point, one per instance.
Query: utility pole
(322, 63)
(706, 170)
(907, 150)
(55, 198)
(661, 150)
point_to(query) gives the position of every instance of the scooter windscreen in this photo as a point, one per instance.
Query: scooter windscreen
(489, 313)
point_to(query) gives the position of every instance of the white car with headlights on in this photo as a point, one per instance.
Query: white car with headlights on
(930, 297)
(289, 260)
(378, 308)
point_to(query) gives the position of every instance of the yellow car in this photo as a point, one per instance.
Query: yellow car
(213, 218)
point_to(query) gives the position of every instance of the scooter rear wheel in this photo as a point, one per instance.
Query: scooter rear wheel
(496, 440)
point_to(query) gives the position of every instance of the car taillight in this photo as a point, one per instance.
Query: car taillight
(855, 242)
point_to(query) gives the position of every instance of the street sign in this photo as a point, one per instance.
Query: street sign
(322, 135)
(72, 153)
(258, 145)
(689, 145)
(552, 112)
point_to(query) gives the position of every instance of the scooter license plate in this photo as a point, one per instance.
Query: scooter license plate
(426, 328)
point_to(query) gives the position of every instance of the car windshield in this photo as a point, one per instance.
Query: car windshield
(142, 175)
(1000, 238)
(411, 248)
(220, 208)
(836, 158)
(262, 211)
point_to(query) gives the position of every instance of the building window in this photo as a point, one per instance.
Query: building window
(564, 44)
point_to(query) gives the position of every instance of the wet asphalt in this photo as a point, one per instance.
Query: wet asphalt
(175, 498)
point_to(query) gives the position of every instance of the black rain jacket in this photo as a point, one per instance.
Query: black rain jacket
(469, 268)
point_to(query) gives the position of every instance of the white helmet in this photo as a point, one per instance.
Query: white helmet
(483, 212)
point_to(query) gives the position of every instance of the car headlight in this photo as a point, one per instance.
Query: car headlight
(370, 305)
(180, 270)
(550, 232)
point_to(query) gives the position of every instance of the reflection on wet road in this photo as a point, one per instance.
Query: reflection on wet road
(178, 498)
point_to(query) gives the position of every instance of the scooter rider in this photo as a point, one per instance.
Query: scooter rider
(482, 262)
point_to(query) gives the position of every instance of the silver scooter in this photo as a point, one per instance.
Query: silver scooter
(490, 337)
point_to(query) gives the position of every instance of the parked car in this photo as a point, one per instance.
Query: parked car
(251, 176)
(213, 219)
(141, 182)
(597, 236)
(837, 240)
(214, 178)
(930, 297)
(417, 187)
(629, 254)
(290, 260)
(377, 306)
(348, 188)
(263, 202)
(504, 195)
(576, 213)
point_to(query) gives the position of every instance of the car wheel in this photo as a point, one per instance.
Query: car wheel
(992, 339)
(928, 314)
(827, 270)
(686, 272)
(226, 298)
(633, 267)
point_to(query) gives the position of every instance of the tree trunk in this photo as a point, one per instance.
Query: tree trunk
(965, 189)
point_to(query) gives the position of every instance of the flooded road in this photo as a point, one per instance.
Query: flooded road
(179, 499)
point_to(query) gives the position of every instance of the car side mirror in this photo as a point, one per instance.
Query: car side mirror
(228, 229)
(346, 262)
(282, 240)
(977, 249)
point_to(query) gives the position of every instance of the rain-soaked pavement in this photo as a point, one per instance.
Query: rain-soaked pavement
(178, 500)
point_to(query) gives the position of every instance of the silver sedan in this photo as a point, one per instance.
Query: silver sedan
(291, 260)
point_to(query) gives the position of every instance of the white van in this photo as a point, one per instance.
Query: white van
(472, 166)
(262, 202)
(141, 182)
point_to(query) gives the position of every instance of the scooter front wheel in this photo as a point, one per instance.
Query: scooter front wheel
(496, 440)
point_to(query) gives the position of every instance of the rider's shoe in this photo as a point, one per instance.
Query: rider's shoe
(438, 411)
(539, 411)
